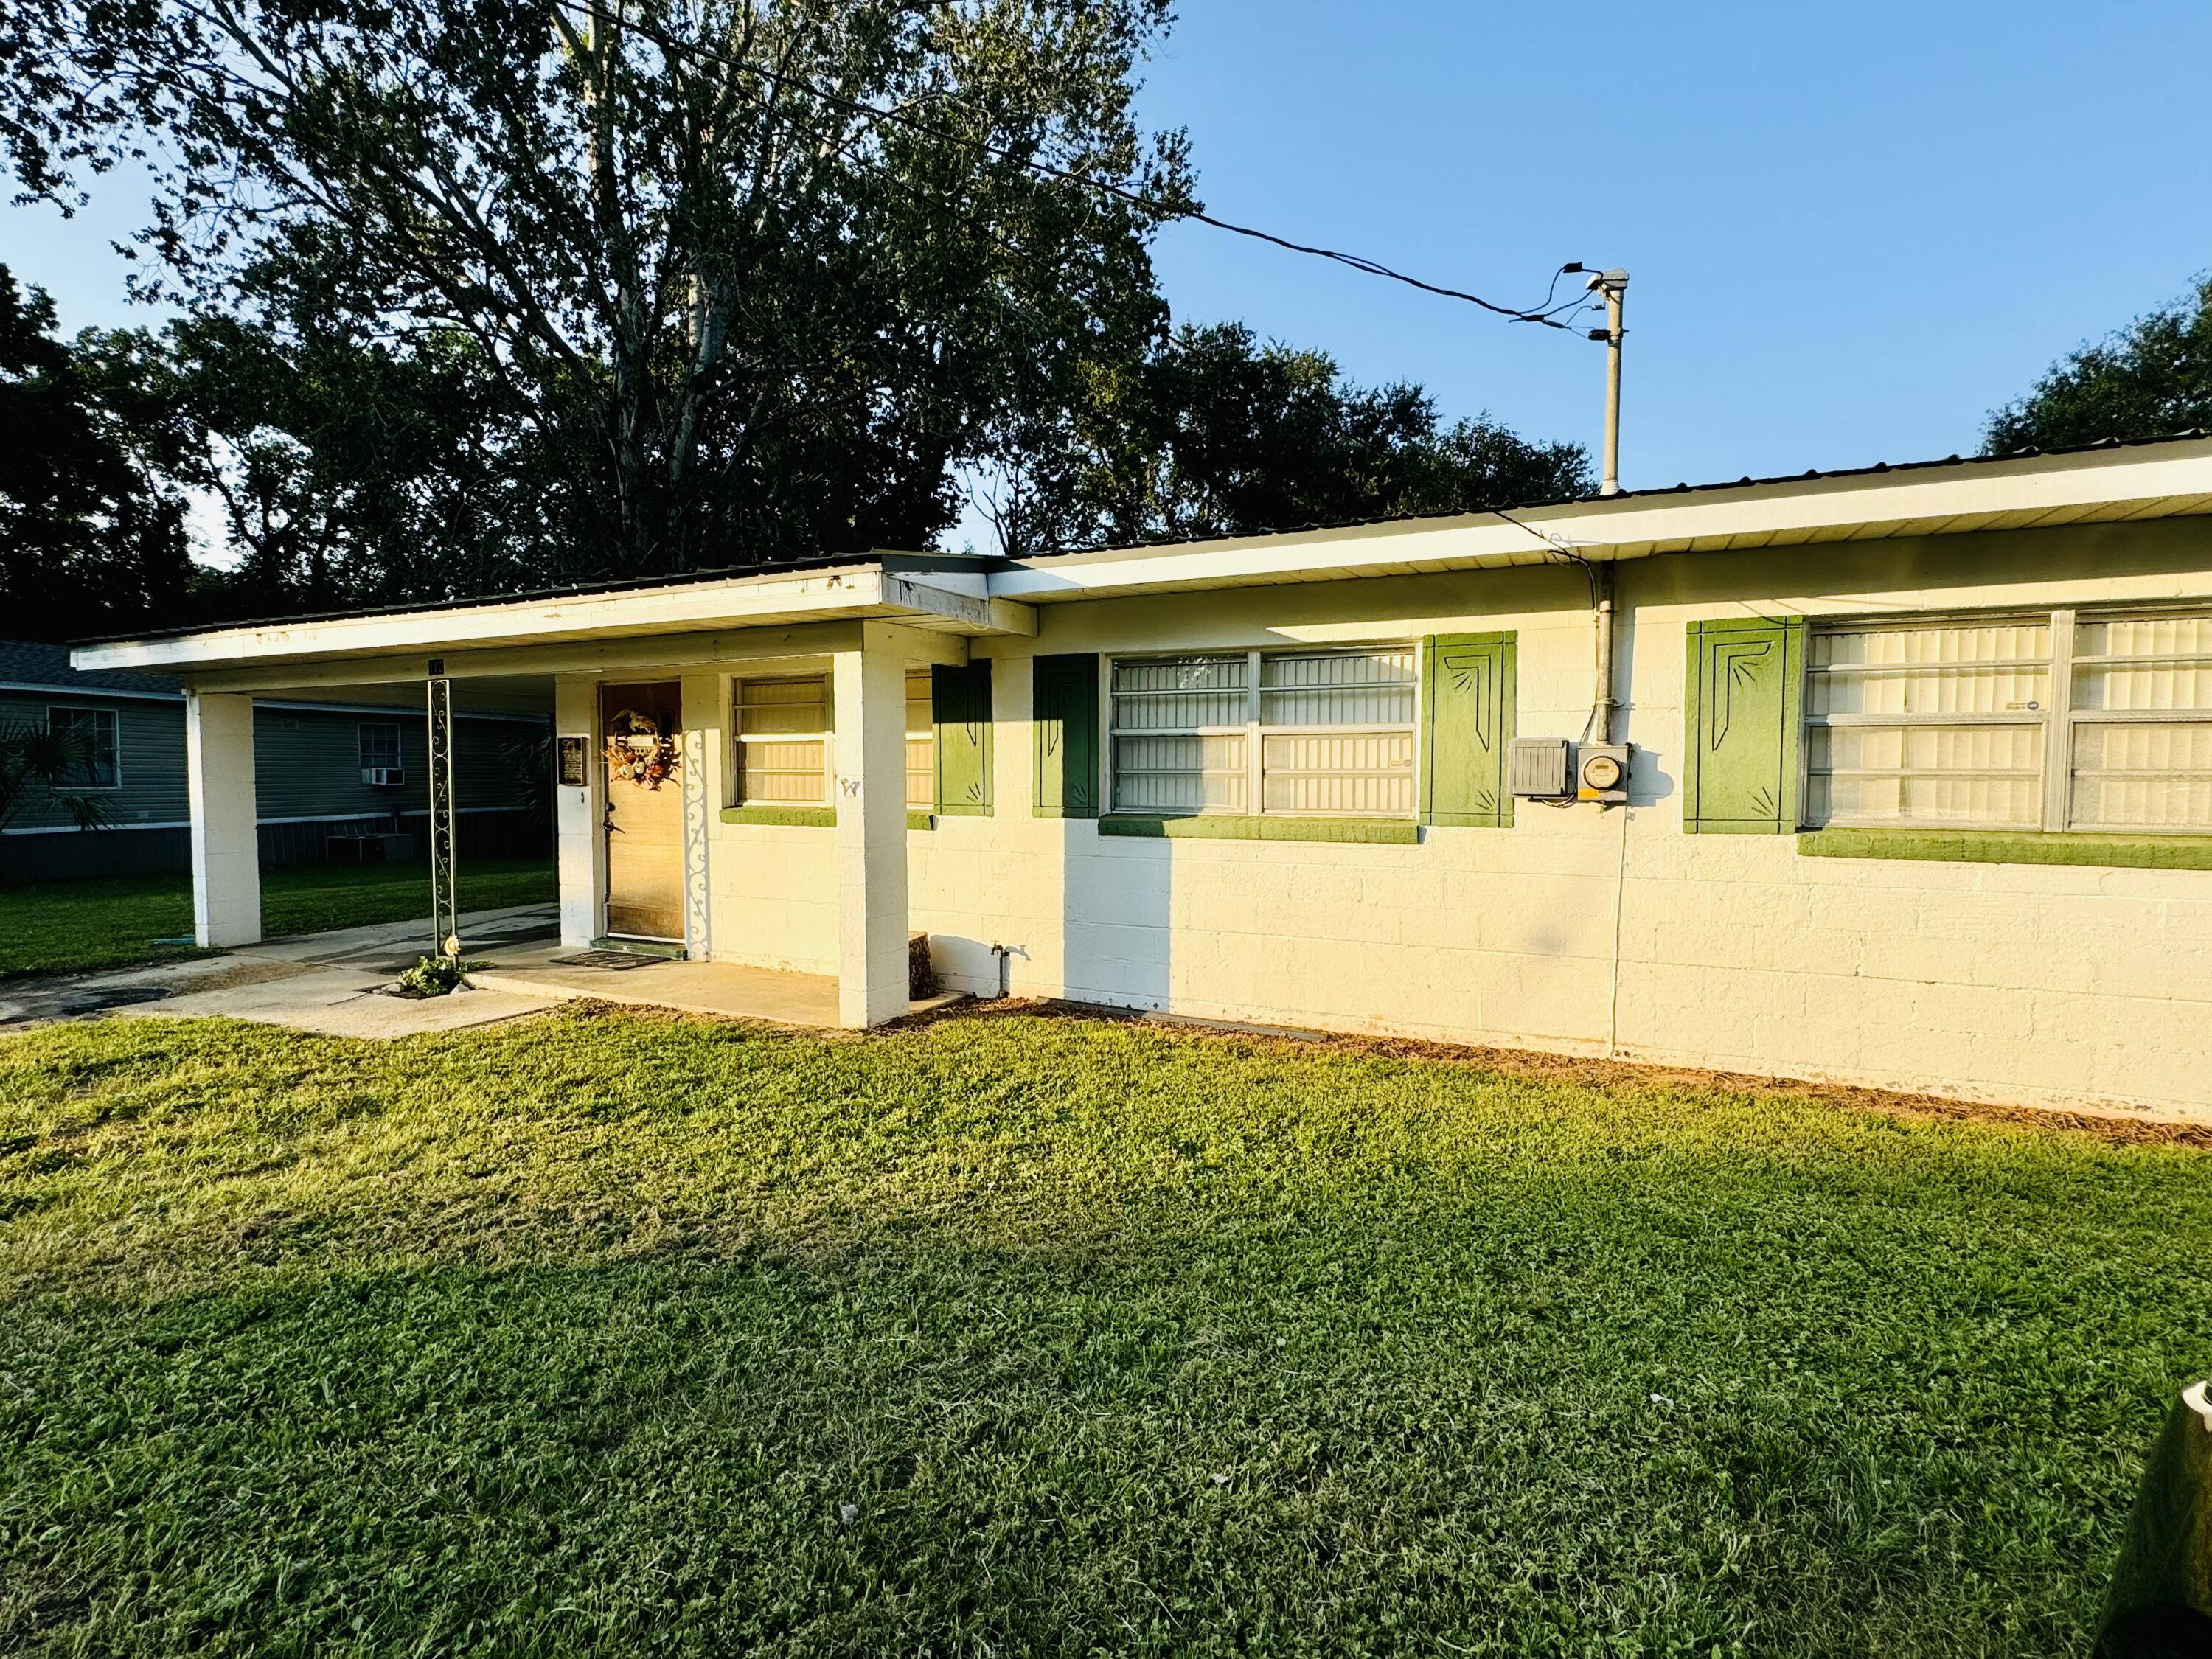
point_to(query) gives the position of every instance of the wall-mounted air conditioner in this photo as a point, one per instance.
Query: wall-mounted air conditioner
(383, 777)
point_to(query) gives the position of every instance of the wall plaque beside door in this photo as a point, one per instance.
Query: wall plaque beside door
(572, 762)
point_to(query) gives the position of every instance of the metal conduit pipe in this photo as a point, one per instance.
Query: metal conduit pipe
(1599, 728)
(1602, 705)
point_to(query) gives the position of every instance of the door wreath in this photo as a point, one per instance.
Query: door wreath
(638, 750)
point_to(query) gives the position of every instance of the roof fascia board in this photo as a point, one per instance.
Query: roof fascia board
(49, 688)
(956, 600)
(758, 600)
(651, 654)
(1635, 528)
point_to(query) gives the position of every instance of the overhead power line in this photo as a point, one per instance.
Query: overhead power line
(1544, 312)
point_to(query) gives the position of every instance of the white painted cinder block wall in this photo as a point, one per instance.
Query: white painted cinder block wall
(1576, 930)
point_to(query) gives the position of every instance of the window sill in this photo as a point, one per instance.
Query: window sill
(2011, 847)
(802, 818)
(810, 818)
(1402, 832)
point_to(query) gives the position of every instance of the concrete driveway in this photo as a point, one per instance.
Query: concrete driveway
(326, 982)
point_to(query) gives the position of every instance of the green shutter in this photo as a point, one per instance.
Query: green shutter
(1064, 717)
(1743, 702)
(960, 706)
(1467, 699)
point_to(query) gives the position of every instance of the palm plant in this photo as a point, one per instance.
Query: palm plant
(41, 762)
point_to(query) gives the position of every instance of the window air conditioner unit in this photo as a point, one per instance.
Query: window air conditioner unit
(383, 777)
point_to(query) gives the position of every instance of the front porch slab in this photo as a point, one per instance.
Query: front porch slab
(727, 989)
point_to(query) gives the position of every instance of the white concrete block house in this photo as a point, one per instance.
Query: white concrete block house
(1920, 793)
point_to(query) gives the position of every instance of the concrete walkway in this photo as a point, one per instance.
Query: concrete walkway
(323, 983)
(330, 983)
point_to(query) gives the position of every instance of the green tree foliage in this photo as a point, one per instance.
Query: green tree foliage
(89, 541)
(1216, 434)
(485, 296)
(2152, 377)
(699, 303)
(346, 470)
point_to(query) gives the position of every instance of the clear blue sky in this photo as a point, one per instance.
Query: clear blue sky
(1853, 229)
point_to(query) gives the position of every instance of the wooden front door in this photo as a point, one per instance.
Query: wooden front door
(642, 734)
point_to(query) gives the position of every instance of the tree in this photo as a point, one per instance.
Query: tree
(2151, 378)
(345, 472)
(732, 278)
(90, 541)
(1214, 434)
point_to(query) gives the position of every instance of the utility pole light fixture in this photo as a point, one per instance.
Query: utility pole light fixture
(1613, 285)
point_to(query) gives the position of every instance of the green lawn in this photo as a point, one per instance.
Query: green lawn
(611, 1333)
(72, 927)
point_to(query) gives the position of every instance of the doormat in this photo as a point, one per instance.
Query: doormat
(616, 961)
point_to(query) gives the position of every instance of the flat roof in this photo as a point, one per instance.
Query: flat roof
(2103, 483)
(942, 593)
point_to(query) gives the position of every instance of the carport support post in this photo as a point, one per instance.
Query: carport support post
(226, 819)
(870, 723)
(580, 812)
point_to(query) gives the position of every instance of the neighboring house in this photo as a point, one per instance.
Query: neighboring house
(325, 767)
(1918, 790)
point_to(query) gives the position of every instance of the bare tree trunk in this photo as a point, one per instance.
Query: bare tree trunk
(630, 334)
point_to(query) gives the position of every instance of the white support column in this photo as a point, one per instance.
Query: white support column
(705, 697)
(870, 716)
(226, 819)
(578, 843)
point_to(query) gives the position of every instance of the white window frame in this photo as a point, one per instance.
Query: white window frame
(2059, 804)
(739, 737)
(2059, 719)
(927, 679)
(61, 714)
(1254, 730)
(361, 743)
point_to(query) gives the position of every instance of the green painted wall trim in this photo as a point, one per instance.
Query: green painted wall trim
(1467, 704)
(1064, 727)
(1743, 702)
(960, 705)
(1223, 827)
(920, 820)
(2003, 846)
(805, 817)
